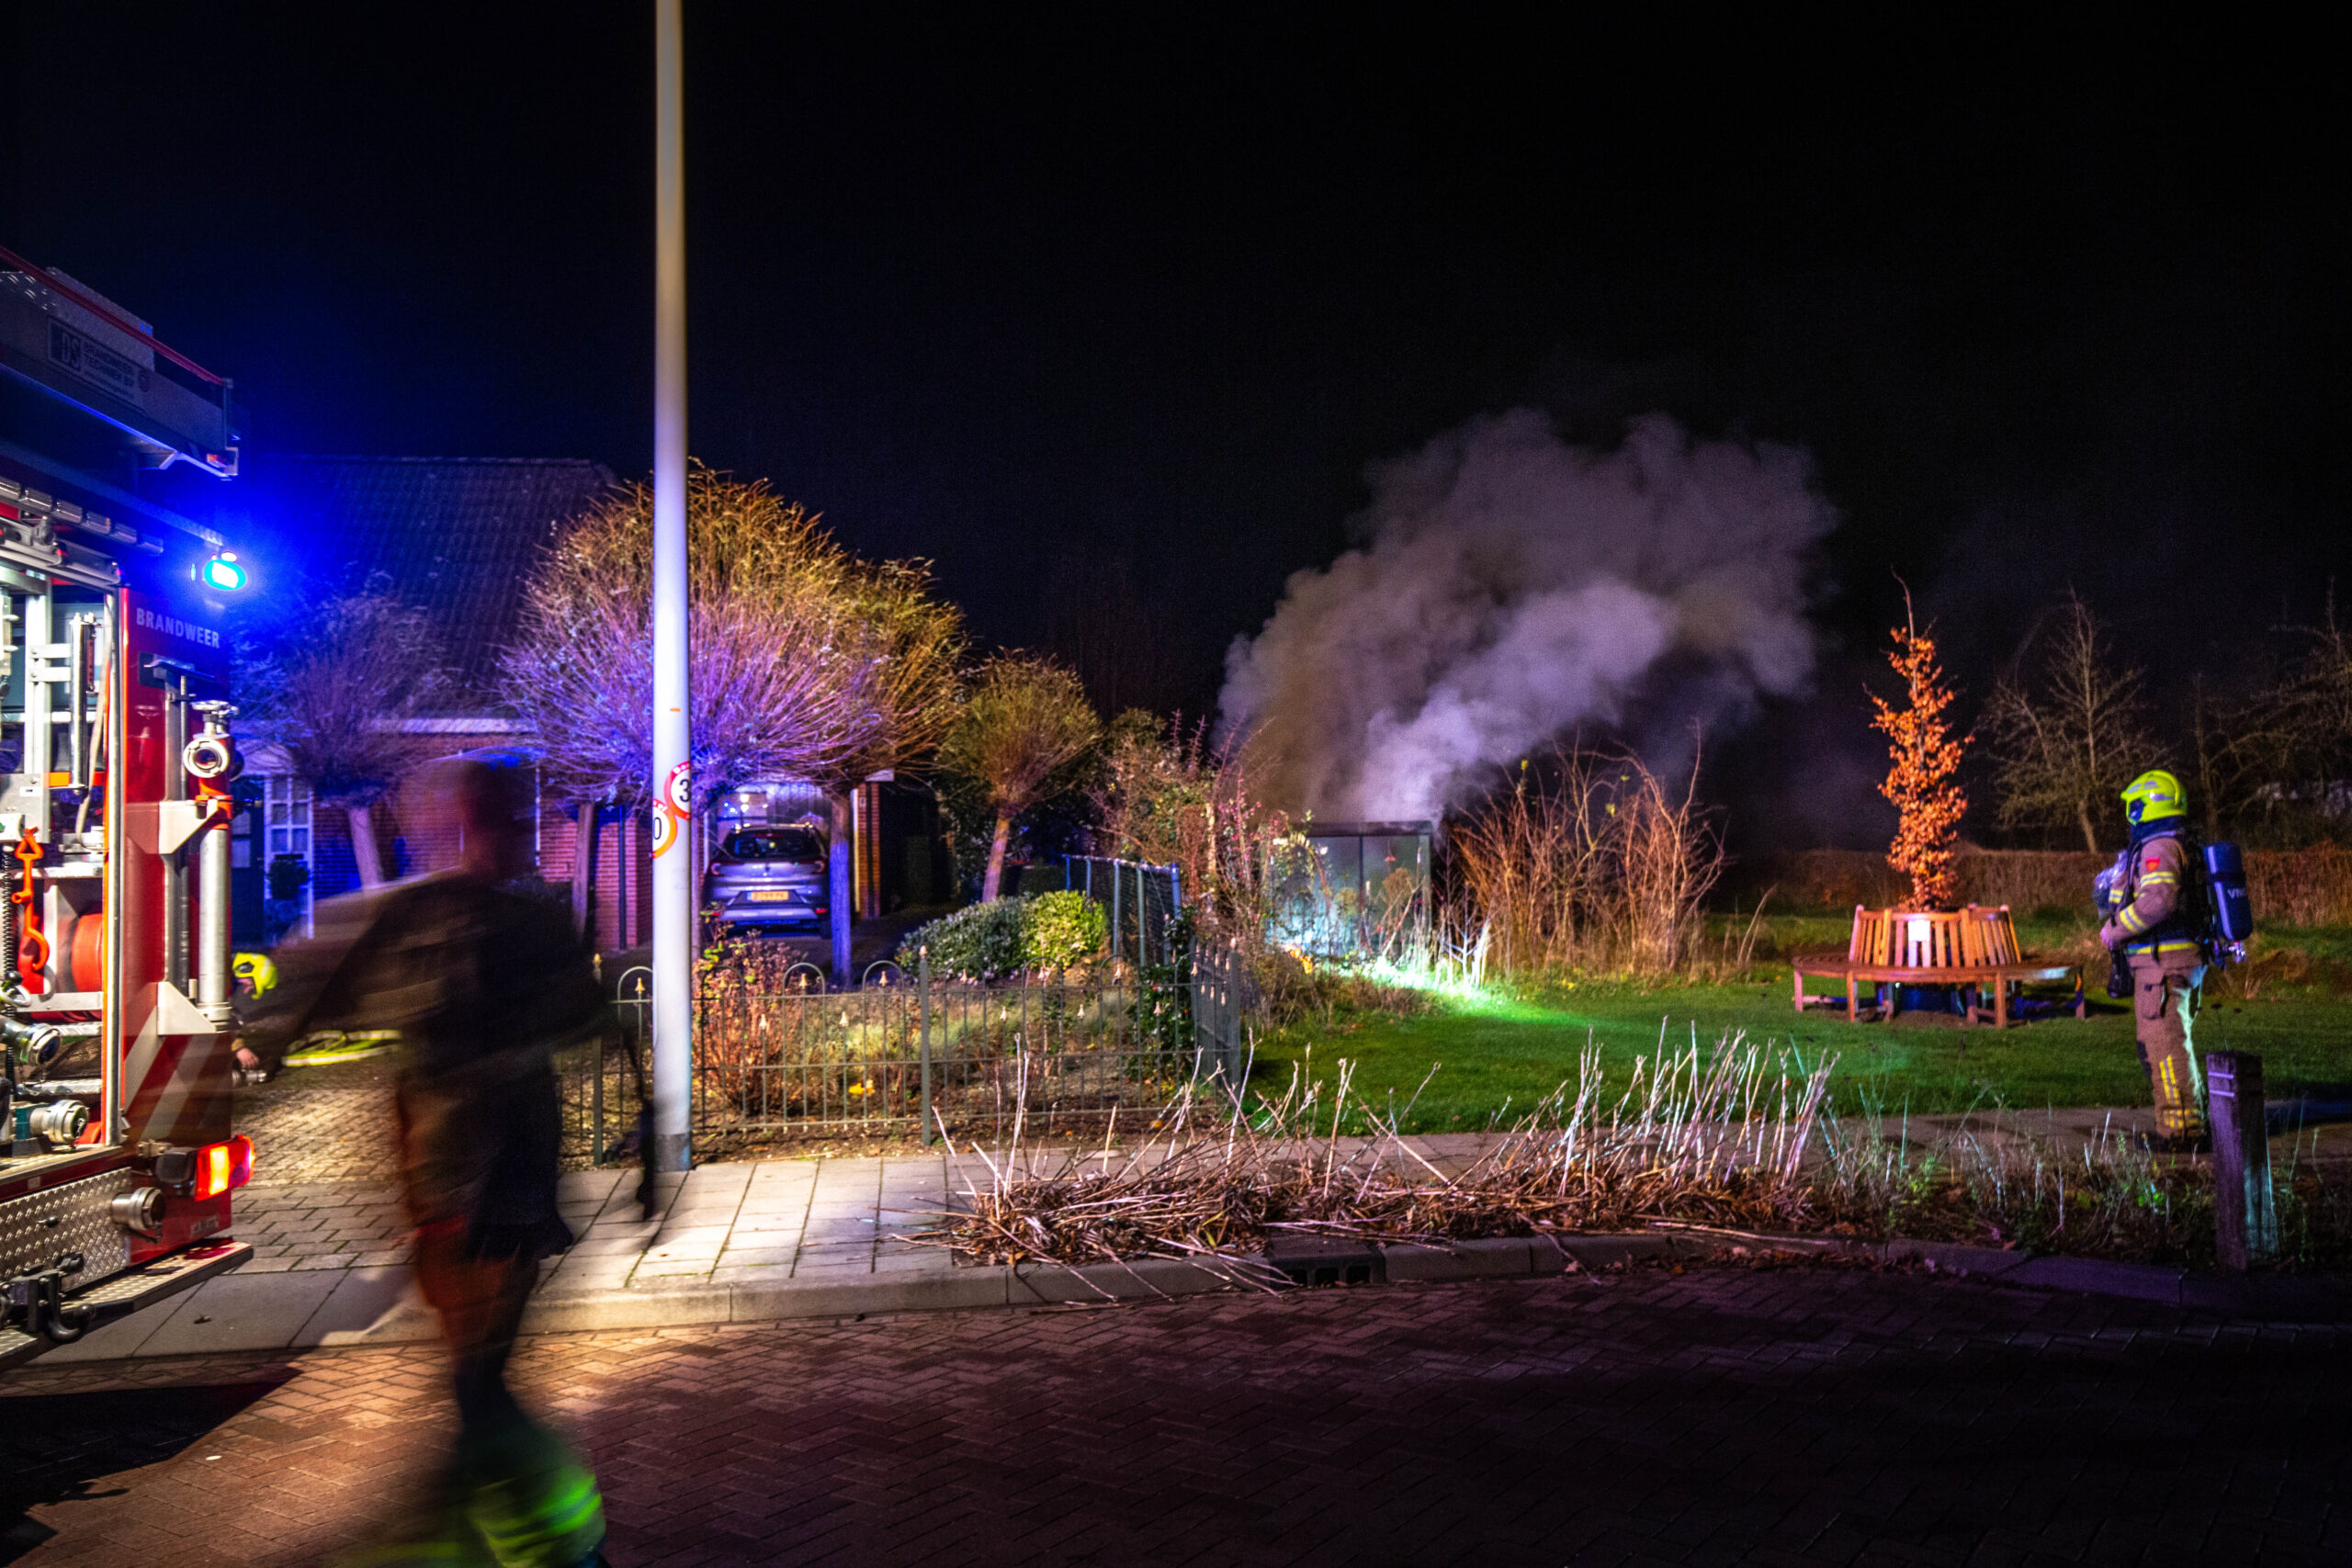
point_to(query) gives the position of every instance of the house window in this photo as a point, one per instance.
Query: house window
(286, 862)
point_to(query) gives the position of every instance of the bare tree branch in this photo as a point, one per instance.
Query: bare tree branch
(2066, 743)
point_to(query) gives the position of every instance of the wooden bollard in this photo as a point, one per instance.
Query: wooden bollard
(2245, 1220)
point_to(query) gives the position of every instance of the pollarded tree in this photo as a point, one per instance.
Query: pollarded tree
(806, 662)
(1922, 782)
(2065, 744)
(786, 679)
(1023, 724)
(333, 694)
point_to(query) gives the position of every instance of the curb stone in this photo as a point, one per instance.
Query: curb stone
(2310, 1298)
(1501, 1258)
(378, 1306)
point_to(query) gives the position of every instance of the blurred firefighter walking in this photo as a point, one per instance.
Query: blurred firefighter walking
(481, 984)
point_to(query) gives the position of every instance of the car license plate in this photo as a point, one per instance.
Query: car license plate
(779, 897)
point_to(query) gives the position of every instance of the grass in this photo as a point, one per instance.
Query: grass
(1496, 1054)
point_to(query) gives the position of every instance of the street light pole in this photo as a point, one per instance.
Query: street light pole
(673, 890)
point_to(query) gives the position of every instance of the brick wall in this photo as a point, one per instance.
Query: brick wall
(624, 917)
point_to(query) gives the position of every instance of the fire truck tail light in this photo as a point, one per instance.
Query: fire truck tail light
(223, 1168)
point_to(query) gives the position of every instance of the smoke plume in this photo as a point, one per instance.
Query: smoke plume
(1511, 586)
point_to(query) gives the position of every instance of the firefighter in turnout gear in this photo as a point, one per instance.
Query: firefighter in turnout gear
(481, 984)
(2152, 926)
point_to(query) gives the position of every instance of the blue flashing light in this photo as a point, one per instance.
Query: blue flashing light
(221, 574)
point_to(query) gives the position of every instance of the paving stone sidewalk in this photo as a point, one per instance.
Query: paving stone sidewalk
(330, 1263)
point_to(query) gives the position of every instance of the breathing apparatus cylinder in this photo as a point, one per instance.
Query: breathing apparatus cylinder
(2225, 880)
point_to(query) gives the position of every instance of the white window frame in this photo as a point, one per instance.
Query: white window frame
(298, 828)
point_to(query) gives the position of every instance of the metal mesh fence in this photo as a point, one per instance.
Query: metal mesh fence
(1142, 902)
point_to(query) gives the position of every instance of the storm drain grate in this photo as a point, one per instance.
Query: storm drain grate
(1335, 1261)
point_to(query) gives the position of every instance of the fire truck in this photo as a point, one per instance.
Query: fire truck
(118, 1160)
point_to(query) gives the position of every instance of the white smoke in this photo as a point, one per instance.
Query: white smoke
(1514, 586)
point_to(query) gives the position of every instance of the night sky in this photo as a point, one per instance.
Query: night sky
(1106, 314)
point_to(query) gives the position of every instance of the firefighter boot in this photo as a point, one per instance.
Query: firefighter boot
(533, 1501)
(2164, 1006)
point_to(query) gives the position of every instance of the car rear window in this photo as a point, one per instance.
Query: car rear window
(773, 843)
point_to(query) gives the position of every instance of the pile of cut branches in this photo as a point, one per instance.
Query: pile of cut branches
(1729, 1138)
(1717, 1137)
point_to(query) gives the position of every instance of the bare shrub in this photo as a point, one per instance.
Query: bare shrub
(1714, 1136)
(743, 1026)
(1595, 863)
(1533, 867)
(2106, 1196)
(1168, 798)
(2310, 887)
(1292, 988)
(1669, 858)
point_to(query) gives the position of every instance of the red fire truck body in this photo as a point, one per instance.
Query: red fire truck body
(118, 1159)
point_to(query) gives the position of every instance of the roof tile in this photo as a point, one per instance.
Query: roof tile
(455, 535)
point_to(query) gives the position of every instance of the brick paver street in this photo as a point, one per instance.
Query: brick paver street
(326, 1124)
(1794, 1415)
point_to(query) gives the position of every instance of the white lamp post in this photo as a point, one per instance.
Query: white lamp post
(673, 887)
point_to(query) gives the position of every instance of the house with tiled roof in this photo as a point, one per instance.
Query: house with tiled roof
(456, 538)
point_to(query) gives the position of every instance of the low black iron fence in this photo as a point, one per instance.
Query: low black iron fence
(1108, 1047)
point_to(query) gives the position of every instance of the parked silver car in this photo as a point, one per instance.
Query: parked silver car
(769, 879)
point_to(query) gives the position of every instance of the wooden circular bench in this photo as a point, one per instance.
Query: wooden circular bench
(1975, 947)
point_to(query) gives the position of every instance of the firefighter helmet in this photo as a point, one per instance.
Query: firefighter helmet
(2154, 795)
(256, 971)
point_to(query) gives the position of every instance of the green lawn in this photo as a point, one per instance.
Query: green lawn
(1500, 1052)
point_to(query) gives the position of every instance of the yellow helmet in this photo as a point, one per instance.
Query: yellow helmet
(2152, 797)
(255, 970)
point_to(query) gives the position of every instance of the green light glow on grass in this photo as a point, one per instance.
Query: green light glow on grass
(1455, 983)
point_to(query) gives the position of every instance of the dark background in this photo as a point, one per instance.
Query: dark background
(1106, 313)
